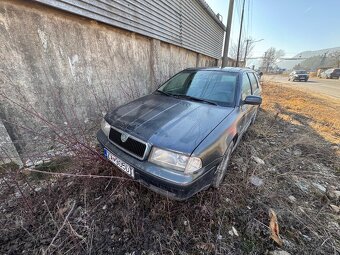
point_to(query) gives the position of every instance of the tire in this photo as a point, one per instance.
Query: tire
(222, 167)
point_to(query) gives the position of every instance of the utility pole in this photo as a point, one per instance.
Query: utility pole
(247, 44)
(322, 62)
(227, 34)
(240, 35)
(245, 53)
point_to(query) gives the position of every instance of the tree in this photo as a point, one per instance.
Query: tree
(243, 46)
(270, 58)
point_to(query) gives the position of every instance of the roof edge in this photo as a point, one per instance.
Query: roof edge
(212, 14)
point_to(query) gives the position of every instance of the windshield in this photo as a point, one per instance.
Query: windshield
(301, 72)
(214, 86)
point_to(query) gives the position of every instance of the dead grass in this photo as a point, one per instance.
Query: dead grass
(322, 113)
(79, 215)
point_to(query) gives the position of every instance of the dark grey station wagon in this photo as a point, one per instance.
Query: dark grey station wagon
(178, 140)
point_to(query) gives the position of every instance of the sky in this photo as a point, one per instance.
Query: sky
(291, 25)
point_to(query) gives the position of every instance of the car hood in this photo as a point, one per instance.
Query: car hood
(168, 122)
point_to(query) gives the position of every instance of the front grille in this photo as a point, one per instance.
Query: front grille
(131, 145)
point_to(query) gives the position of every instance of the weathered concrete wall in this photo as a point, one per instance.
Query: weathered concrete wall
(64, 68)
(8, 152)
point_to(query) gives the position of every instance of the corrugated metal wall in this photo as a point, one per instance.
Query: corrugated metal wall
(187, 23)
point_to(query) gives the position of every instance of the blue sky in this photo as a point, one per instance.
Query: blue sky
(290, 25)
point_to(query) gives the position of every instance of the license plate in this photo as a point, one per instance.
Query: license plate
(120, 163)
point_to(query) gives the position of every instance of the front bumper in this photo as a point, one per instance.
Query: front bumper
(170, 183)
(301, 78)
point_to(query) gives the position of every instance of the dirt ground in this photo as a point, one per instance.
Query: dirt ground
(288, 162)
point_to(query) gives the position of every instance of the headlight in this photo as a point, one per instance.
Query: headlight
(105, 127)
(175, 161)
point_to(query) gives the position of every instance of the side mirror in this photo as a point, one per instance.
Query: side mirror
(253, 100)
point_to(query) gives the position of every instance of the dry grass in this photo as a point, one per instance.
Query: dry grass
(322, 113)
(79, 215)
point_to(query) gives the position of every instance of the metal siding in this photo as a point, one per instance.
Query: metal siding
(187, 23)
(199, 27)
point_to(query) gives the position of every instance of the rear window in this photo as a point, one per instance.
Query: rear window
(337, 71)
(246, 87)
(253, 81)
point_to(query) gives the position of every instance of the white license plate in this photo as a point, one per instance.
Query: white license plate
(120, 163)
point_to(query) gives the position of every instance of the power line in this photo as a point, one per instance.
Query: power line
(240, 35)
(251, 4)
(248, 15)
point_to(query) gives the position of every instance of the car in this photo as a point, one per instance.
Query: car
(178, 140)
(299, 75)
(320, 71)
(331, 73)
(259, 74)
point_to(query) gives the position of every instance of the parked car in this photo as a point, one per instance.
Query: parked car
(320, 71)
(331, 73)
(300, 75)
(178, 140)
(259, 75)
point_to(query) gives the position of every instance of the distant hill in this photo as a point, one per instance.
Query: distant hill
(308, 54)
(312, 59)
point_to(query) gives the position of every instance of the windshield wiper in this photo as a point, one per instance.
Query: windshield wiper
(165, 93)
(197, 99)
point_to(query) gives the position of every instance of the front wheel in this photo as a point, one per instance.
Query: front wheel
(223, 166)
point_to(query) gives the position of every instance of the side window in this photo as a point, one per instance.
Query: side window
(253, 81)
(246, 90)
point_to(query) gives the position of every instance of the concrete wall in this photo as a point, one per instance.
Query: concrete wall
(60, 68)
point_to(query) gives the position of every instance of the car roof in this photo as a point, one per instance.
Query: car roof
(226, 69)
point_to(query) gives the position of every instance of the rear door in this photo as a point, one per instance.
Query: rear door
(255, 85)
(255, 91)
(246, 109)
